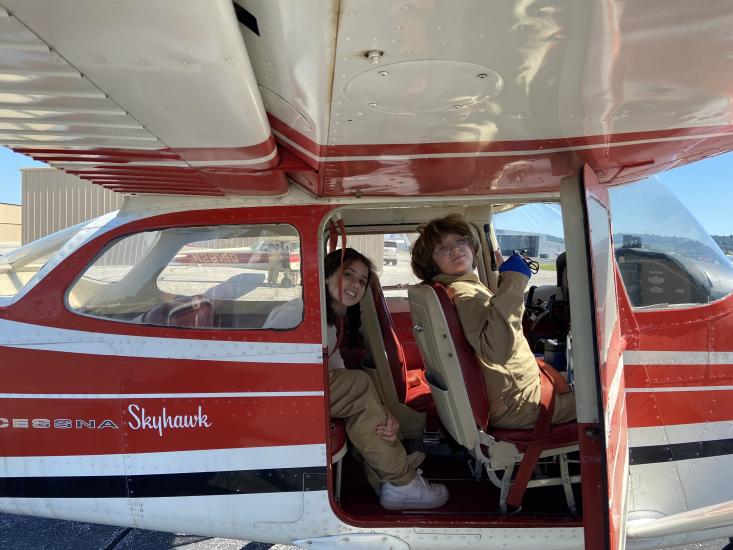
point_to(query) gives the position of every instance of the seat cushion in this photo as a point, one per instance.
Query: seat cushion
(419, 397)
(337, 435)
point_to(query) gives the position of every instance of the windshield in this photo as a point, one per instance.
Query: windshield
(664, 255)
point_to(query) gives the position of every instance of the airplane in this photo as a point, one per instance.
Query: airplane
(144, 392)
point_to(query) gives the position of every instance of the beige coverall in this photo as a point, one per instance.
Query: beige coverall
(355, 399)
(493, 326)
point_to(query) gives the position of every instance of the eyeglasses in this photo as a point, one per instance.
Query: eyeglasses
(446, 248)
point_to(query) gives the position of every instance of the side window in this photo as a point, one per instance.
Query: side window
(664, 255)
(204, 277)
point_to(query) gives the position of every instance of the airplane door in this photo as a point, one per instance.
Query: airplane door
(597, 360)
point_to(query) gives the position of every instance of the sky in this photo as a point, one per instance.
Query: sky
(704, 187)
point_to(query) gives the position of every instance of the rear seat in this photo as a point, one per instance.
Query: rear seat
(404, 391)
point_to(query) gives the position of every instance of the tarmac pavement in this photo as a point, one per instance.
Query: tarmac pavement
(29, 533)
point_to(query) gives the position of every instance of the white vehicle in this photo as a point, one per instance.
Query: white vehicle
(390, 252)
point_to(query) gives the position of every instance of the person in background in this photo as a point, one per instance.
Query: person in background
(274, 261)
(446, 252)
(371, 428)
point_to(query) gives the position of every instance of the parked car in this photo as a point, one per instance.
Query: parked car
(390, 252)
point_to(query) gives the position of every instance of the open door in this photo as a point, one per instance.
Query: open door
(597, 360)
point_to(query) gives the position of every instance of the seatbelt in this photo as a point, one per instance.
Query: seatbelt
(333, 230)
(539, 433)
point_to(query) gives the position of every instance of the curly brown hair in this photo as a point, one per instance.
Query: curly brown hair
(431, 235)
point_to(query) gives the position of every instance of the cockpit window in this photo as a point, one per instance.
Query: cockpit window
(665, 256)
(194, 277)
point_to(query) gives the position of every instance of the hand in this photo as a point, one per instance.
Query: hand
(498, 257)
(517, 264)
(389, 430)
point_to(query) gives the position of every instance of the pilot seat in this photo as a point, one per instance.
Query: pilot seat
(454, 376)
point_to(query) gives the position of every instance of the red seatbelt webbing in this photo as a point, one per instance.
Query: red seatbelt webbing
(541, 430)
(333, 230)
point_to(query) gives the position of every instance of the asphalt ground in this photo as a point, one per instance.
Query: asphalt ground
(28, 533)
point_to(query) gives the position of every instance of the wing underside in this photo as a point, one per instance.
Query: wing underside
(357, 97)
(136, 96)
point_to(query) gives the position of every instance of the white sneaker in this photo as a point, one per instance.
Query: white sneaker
(419, 494)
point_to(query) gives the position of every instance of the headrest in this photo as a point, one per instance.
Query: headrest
(188, 311)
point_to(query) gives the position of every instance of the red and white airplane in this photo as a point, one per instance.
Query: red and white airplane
(144, 392)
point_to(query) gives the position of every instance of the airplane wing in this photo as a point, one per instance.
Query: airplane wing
(355, 97)
(136, 96)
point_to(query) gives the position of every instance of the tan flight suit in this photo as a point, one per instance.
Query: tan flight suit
(355, 399)
(493, 326)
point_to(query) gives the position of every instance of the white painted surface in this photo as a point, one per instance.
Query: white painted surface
(179, 69)
(210, 460)
(27, 336)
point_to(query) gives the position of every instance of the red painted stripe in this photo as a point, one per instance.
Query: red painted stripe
(519, 173)
(250, 152)
(234, 180)
(685, 407)
(612, 364)
(292, 134)
(595, 501)
(616, 477)
(204, 192)
(255, 422)
(234, 423)
(138, 170)
(705, 327)
(98, 152)
(654, 376)
(149, 184)
(56, 372)
(379, 149)
(184, 179)
(54, 441)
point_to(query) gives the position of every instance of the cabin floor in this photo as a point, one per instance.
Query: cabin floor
(470, 500)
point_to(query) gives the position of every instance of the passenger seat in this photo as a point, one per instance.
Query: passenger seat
(408, 398)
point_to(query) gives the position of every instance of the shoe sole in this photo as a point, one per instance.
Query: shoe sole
(412, 506)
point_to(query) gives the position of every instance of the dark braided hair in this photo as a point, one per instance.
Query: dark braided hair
(331, 265)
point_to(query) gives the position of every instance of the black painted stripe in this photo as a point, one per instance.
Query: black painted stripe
(281, 480)
(246, 19)
(679, 451)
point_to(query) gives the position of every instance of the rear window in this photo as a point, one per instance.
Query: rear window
(196, 277)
